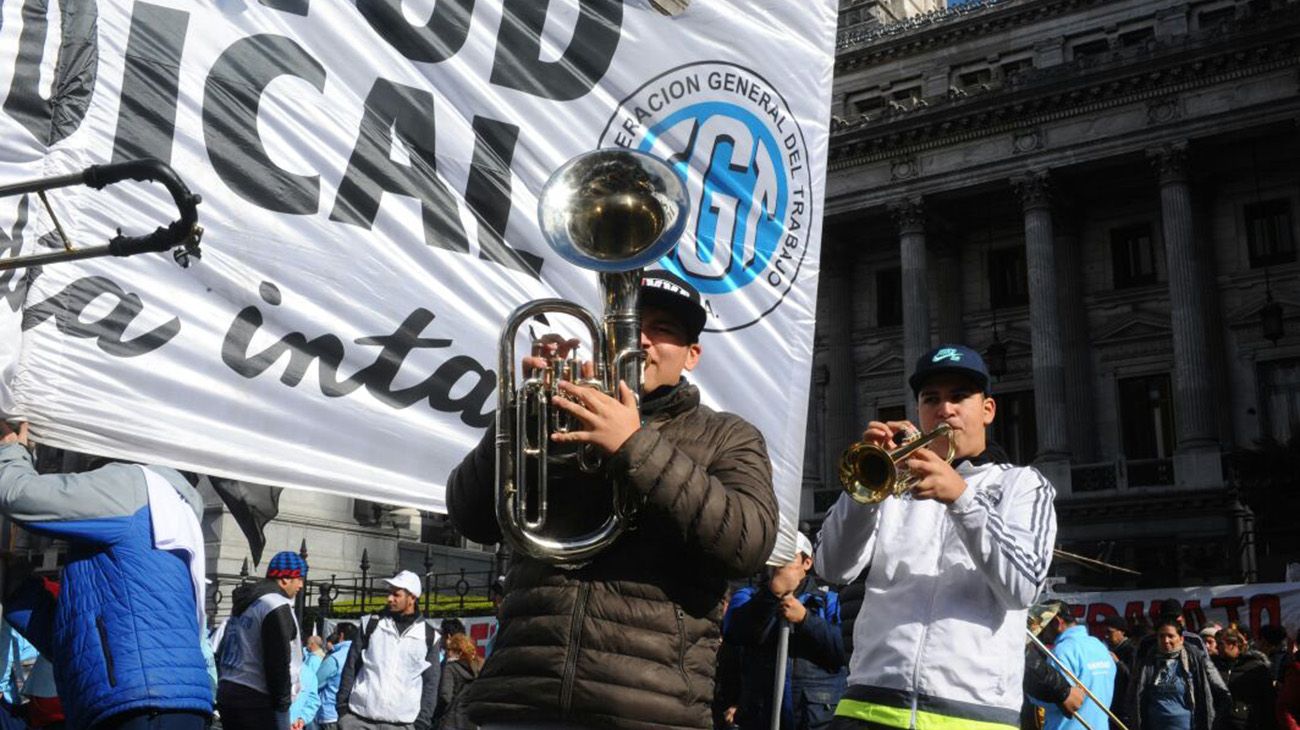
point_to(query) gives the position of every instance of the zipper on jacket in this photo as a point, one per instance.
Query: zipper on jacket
(108, 655)
(925, 625)
(681, 654)
(575, 645)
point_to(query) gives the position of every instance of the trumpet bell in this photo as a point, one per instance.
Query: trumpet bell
(613, 210)
(867, 473)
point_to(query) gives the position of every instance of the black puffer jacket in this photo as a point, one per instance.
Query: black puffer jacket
(629, 640)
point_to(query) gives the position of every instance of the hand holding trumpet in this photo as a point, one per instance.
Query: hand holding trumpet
(931, 476)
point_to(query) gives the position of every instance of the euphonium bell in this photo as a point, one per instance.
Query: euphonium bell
(871, 473)
(613, 211)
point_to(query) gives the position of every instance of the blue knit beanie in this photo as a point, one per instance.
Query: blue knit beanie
(287, 564)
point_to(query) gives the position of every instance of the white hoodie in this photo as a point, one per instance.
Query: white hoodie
(939, 641)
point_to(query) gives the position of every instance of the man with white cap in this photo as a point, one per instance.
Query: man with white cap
(816, 669)
(390, 679)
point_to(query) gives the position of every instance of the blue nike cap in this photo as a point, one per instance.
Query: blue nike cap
(955, 359)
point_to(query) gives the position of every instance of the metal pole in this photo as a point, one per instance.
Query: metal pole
(1070, 675)
(778, 688)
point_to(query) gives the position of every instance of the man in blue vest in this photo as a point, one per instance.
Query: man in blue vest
(816, 670)
(123, 634)
(1088, 659)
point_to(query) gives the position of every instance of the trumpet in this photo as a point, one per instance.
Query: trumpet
(182, 234)
(613, 211)
(871, 473)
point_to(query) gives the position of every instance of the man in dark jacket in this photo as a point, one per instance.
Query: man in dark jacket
(261, 651)
(1122, 648)
(123, 635)
(629, 639)
(817, 667)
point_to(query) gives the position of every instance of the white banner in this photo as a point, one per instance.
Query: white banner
(1250, 605)
(369, 173)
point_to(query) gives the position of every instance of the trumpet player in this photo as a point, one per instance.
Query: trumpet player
(953, 566)
(629, 638)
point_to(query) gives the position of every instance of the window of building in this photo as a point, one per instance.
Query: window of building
(1213, 18)
(1008, 278)
(1279, 385)
(867, 104)
(889, 298)
(1269, 237)
(892, 413)
(1014, 67)
(1147, 428)
(1088, 49)
(975, 78)
(1016, 428)
(911, 93)
(1133, 255)
(1136, 37)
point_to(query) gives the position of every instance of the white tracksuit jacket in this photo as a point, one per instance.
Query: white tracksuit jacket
(939, 641)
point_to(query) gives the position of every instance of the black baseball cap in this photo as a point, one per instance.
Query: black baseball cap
(958, 359)
(667, 291)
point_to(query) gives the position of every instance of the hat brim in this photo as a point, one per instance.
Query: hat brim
(691, 315)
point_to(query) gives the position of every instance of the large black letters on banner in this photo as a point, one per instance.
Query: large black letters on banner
(488, 194)
(327, 352)
(436, 41)
(68, 306)
(13, 288)
(296, 7)
(518, 64)
(74, 75)
(392, 108)
(233, 90)
(146, 119)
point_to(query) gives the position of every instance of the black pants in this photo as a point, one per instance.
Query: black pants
(247, 718)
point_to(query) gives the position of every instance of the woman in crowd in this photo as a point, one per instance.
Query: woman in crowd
(1173, 688)
(1247, 675)
(462, 666)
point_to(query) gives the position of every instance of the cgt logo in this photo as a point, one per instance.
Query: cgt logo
(741, 153)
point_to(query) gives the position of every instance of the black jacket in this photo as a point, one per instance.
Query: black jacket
(456, 676)
(630, 639)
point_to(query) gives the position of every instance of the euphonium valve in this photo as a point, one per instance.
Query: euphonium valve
(871, 473)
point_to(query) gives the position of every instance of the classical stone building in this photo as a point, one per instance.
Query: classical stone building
(1100, 195)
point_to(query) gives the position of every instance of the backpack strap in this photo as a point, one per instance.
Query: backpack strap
(370, 629)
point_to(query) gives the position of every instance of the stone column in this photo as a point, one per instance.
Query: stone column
(1045, 328)
(836, 292)
(949, 275)
(1082, 421)
(1196, 461)
(910, 215)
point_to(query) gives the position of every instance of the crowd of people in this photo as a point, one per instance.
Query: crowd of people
(666, 627)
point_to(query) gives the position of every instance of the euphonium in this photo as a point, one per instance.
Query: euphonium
(871, 473)
(613, 211)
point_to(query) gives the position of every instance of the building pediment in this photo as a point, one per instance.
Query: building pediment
(1131, 327)
(885, 364)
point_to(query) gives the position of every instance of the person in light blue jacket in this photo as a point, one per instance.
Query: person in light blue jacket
(1088, 659)
(330, 673)
(306, 706)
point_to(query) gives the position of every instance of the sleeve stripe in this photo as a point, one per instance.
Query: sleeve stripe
(1034, 567)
